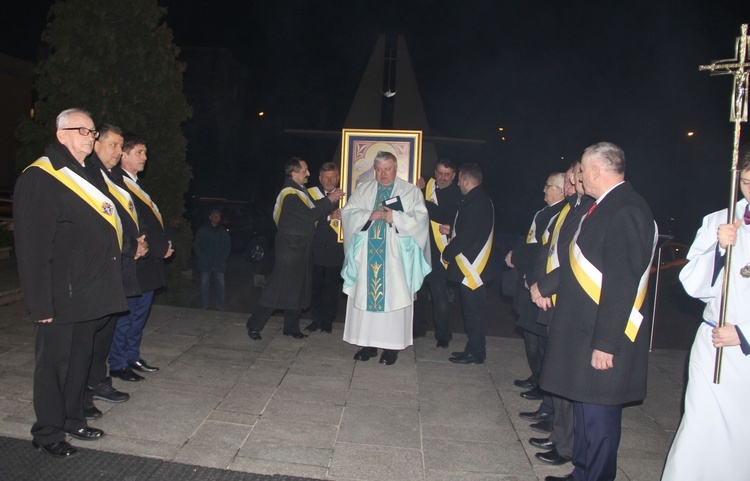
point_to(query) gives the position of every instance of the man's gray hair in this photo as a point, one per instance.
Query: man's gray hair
(382, 156)
(558, 180)
(329, 167)
(62, 117)
(612, 156)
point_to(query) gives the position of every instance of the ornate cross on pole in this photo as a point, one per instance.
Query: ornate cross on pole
(738, 67)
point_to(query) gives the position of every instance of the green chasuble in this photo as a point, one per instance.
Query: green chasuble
(376, 255)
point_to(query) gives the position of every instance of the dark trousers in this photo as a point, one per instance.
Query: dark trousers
(126, 342)
(562, 426)
(104, 330)
(596, 439)
(326, 291)
(261, 314)
(472, 308)
(532, 344)
(61, 366)
(436, 284)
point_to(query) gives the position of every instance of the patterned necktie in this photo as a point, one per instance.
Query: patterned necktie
(747, 214)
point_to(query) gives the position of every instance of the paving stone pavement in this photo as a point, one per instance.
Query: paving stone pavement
(306, 408)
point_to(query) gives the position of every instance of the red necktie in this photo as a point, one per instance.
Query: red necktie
(591, 209)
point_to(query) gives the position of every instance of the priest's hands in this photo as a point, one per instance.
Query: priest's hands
(386, 214)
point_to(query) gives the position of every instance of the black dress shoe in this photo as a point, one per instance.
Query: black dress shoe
(542, 443)
(542, 426)
(467, 359)
(57, 450)
(534, 416)
(105, 392)
(552, 457)
(388, 357)
(91, 412)
(534, 394)
(443, 344)
(365, 354)
(326, 328)
(126, 374)
(254, 334)
(567, 477)
(459, 354)
(527, 383)
(87, 434)
(312, 327)
(295, 335)
(140, 365)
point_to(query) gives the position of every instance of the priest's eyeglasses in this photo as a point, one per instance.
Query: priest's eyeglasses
(84, 131)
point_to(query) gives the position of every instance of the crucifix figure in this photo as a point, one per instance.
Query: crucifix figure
(739, 67)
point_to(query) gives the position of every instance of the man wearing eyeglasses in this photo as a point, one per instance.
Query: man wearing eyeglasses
(523, 258)
(68, 246)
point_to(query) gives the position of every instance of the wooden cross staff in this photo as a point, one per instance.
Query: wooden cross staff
(738, 67)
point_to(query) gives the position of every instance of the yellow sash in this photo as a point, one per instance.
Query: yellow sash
(335, 224)
(441, 240)
(590, 279)
(141, 194)
(472, 270)
(87, 192)
(123, 197)
(531, 236)
(280, 201)
(553, 260)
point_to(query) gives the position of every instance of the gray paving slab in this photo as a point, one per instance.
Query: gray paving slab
(375, 463)
(294, 433)
(263, 466)
(319, 457)
(306, 408)
(384, 426)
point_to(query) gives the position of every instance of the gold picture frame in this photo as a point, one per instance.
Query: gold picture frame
(358, 149)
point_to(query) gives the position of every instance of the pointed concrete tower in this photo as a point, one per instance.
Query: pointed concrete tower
(388, 97)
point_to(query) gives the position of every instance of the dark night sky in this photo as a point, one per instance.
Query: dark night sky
(557, 75)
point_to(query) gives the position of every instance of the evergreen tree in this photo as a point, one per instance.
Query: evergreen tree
(118, 61)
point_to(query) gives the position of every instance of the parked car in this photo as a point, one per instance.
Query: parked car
(250, 227)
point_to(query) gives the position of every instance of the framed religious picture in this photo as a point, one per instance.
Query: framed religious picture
(359, 147)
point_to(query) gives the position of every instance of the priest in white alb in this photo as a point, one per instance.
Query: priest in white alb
(387, 256)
